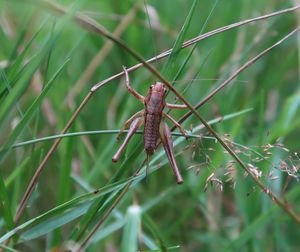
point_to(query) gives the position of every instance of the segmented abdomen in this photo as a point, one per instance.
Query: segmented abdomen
(151, 132)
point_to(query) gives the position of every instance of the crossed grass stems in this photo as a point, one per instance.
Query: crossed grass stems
(93, 26)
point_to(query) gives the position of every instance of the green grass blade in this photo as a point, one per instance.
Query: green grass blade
(71, 210)
(104, 132)
(30, 112)
(17, 172)
(15, 68)
(17, 91)
(108, 230)
(5, 206)
(53, 223)
(7, 249)
(188, 57)
(131, 229)
(64, 186)
(152, 227)
(288, 117)
(169, 69)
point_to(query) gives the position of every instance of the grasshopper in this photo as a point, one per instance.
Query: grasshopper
(154, 127)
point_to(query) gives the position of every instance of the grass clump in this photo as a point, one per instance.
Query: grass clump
(58, 68)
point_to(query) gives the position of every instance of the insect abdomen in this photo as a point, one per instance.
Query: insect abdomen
(151, 132)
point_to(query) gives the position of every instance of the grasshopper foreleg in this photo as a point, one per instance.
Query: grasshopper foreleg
(130, 89)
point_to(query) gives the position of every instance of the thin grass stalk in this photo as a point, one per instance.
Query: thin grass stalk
(86, 133)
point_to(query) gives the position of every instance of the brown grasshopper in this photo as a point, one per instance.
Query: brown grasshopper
(154, 127)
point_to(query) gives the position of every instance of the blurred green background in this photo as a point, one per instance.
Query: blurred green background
(219, 207)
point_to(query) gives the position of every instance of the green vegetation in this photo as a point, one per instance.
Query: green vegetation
(52, 54)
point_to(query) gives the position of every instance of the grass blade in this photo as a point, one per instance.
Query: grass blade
(131, 229)
(5, 207)
(71, 209)
(169, 68)
(29, 113)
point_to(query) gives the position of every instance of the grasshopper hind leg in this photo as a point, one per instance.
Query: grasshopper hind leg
(133, 128)
(166, 139)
